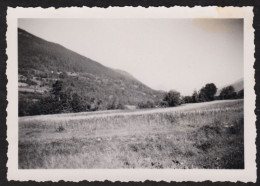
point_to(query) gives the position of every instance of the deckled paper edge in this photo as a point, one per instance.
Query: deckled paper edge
(246, 175)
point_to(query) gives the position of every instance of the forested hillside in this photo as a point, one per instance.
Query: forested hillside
(42, 64)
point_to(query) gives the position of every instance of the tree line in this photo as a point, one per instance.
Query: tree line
(62, 99)
(206, 93)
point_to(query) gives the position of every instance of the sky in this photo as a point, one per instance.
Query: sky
(165, 54)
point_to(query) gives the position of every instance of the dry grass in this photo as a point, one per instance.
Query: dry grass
(204, 136)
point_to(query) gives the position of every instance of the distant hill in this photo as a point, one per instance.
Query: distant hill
(42, 63)
(238, 85)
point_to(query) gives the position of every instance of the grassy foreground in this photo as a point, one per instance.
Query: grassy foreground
(204, 136)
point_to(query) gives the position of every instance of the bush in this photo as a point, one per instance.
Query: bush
(115, 104)
(60, 129)
(164, 104)
(148, 104)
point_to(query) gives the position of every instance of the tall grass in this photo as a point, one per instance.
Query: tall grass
(206, 137)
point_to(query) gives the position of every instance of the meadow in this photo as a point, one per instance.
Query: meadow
(193, 136)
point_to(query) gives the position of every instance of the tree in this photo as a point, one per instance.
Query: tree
(228, 93)
(173, 98)
(207, 93)
(187, 99)
(76, 103)
(57, 88)
(240, 94)
(195, 97)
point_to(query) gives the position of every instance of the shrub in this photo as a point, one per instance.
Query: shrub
(60, 129)
(148, 104)
(164, 104)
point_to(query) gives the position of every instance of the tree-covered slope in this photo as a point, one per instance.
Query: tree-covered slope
(42, 63)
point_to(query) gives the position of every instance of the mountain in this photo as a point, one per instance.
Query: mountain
(41, 63)
(238, 85)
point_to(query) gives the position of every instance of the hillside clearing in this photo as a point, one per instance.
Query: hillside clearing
(203, 135)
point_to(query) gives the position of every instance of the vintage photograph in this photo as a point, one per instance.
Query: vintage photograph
(130, 93)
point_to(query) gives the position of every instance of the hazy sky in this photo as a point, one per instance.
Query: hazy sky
(179, 54)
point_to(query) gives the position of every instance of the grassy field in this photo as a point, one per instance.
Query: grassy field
(204, 135)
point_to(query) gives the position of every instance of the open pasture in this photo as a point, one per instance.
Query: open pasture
(203, 135)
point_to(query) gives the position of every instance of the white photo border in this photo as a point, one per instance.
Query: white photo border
(248, 174)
